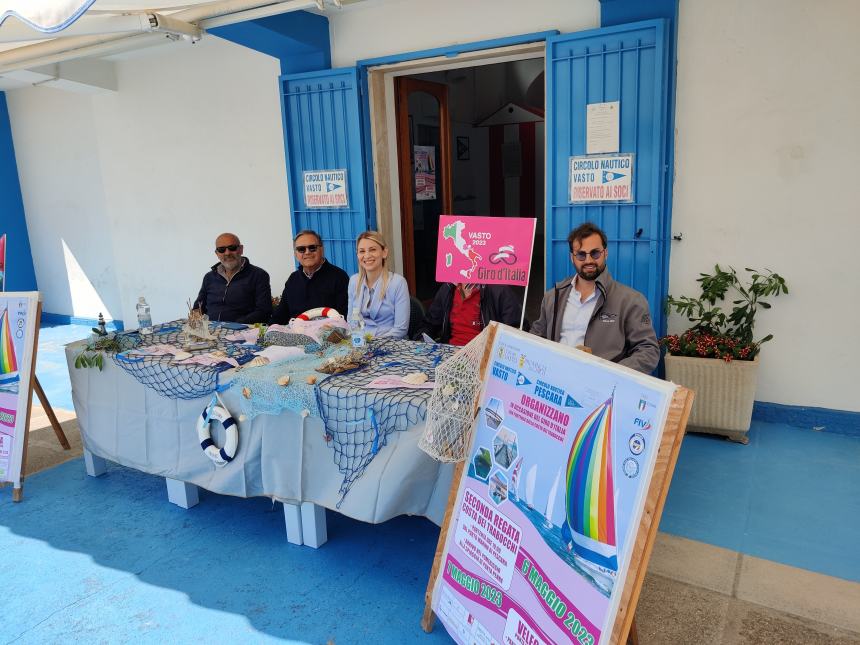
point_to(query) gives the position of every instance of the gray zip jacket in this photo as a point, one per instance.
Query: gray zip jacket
(620, 329)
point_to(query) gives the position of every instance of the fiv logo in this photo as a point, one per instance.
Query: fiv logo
(645, 424)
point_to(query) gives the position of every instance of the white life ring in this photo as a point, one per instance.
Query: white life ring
(319, 312)
(219, 456)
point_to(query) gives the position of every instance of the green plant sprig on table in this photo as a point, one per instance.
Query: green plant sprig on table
(715, 334)
(92, 355)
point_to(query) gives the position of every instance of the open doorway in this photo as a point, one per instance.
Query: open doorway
(470, 141)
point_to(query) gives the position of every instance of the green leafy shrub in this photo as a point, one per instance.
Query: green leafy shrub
(714, 333)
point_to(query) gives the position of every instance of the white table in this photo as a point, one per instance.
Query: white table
(284, 457)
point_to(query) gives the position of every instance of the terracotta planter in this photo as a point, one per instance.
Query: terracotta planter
(724, 393)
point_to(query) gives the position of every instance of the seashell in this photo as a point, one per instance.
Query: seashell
(311, 380)
(416, 378)
(258, 361)
(448, 390)
(246, 393)
(284, 380)
(181, 356)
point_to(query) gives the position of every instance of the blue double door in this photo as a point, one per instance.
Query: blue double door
(325, 132)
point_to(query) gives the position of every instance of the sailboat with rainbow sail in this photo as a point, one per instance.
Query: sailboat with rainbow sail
(8, 360)
(589, 526)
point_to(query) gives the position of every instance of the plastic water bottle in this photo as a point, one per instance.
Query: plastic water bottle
(144, 318)
(356, 327)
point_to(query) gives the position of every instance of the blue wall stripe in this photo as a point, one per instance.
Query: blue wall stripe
(20, 274)
(62, 319)
(822, 419)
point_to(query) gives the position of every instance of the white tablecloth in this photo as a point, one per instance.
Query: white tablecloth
(283, 457)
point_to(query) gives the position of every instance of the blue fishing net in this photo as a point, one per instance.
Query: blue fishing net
(174, 381)
(358, 419)
(266, 396)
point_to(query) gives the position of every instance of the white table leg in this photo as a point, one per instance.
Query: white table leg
(314, 531)
(181, 493)
(94, 464)
(293, 520)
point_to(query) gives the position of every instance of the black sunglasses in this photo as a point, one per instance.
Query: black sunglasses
(230, 247)
(310, 248)
(594, 253)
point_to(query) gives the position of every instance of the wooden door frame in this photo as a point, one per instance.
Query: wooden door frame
(403, 86)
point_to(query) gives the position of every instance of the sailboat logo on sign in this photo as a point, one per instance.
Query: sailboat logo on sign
(325, 188)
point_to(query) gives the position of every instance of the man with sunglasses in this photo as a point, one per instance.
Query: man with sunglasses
(316, 283)
(235, 290)
(590, 311)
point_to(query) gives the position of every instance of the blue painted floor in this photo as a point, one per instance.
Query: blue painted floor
(792, 495)
(110, 559)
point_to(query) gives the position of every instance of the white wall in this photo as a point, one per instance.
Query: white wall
(382, 27)
(768, 132)
(139, 182)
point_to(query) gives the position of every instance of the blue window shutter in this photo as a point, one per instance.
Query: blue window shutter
(626, 63)
(322, 131)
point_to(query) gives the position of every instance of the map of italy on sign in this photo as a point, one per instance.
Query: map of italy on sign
(325, 188)
(484, 250)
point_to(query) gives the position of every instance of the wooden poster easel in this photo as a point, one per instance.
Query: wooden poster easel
(34, 385)
(624, 628)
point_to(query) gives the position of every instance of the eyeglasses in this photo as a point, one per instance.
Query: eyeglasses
(310, 248)
(229, 247)
(593, 253)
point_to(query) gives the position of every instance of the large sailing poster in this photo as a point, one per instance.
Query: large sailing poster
(552, 494)
(17, 331)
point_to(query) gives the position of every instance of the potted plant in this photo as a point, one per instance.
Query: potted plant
(718, 356)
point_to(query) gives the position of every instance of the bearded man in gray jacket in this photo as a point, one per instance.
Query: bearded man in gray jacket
(590, 311)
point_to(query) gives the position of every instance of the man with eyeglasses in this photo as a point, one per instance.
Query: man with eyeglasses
(316, 283)
(235, 290)
(590, 311)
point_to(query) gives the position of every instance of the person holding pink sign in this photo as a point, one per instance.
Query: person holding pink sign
(590, 311)
(460, 312)
(380, 296)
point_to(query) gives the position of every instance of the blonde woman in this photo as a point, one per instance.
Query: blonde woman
(381, 297)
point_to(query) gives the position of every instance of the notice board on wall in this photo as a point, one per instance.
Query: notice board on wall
(557, 504)
(19, 320)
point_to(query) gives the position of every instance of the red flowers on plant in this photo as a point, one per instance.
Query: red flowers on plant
(708, 345)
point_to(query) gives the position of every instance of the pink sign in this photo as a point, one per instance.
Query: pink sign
(485, 250)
